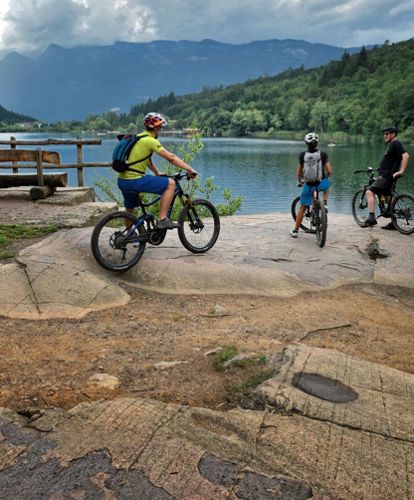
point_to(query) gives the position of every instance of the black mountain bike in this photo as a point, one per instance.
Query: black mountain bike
(315, 218)
(118, 248)
(399, 207)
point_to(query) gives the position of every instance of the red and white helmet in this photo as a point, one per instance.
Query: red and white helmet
(153, 120)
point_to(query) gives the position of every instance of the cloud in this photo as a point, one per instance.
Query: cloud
(31, 25)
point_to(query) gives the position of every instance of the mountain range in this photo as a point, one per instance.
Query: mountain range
(71, 83)
(10, 117)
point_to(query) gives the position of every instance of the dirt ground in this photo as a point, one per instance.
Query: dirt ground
(48, 363)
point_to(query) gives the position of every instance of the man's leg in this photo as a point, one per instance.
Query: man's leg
(324, 186)
(371, 201)
(166, 199)
(305, 201)
(299, 216)
(128, 222)
(371, 221)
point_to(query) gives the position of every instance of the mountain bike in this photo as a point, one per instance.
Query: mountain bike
(315, 218)
(399, 207)
(119, 239)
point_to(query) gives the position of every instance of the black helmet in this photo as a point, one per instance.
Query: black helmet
(391, 128)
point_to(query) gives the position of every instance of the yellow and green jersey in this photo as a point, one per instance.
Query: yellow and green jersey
(142, 149)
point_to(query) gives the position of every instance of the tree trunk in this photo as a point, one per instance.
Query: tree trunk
(41, 192)
(57, 179)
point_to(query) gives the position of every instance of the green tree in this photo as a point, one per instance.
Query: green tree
(298, 116)
(319, 116)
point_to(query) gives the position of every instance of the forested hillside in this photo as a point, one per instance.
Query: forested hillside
(355, 95)
(70, 83)
(10, 117)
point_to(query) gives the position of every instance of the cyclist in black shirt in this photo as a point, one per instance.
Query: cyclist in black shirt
(393, 164)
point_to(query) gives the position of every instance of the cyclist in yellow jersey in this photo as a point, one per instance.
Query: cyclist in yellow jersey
(135, 180)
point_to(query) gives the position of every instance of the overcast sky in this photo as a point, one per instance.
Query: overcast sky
(31, 25)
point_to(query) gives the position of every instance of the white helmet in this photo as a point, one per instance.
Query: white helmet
(311, 137)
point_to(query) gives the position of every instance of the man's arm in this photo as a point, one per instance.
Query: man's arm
(299, 173)
(178, 162)
(153, 168)
(328, 168)
(403, 165)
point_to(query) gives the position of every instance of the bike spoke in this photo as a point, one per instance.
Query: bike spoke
(200, 226)
(360, 207)
(114, 246)
(403, 213)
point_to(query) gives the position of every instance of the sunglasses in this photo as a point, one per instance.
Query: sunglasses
(387, 133)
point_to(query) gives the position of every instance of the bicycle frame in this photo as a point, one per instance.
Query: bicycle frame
(315, 198)
(149, 218)
(383, 205)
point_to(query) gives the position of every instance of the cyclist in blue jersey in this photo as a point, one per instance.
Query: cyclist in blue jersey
(311, 140)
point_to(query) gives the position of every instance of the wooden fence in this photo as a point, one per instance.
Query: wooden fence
(79, 165)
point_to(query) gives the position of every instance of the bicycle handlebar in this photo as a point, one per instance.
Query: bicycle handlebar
(368, 170)
(371, 170)
(180, 175)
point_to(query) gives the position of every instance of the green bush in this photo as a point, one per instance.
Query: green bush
(108, 190)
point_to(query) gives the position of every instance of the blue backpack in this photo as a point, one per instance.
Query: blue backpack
(122, 150)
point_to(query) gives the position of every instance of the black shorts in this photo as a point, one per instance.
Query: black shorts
(382, 185)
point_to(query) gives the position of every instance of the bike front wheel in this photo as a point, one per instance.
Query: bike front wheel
(360, 210)
(321, 222)
(199, 226)
(306, 224)
(115, 247)
(402, 213)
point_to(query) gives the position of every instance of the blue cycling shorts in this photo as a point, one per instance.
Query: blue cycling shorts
(307, 191)
(145, 184)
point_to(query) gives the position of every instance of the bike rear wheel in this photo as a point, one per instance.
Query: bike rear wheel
(321, 222)
(402, 213)
(360, 210)
(307, 217)
(115, 247)
(199, 226)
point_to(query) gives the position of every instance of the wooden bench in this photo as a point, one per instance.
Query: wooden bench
(43, 184)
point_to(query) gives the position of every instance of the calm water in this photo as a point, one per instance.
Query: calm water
(263, 171)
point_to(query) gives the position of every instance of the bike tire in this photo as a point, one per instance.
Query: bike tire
(199, 226)
(402, 213)
(360, 210)
(321, 223)
(109, 245)
(307, 217)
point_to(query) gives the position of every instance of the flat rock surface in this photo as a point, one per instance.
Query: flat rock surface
(332, 386)
(335, 426)
(136, 448)
(58, 277)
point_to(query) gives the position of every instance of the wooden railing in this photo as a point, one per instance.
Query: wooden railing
(79, 165)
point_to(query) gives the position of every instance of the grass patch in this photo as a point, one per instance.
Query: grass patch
(228, 352)
(6, 254)
(221, 359)
(241, 377)
(245, 363)
(11, 233)
(242, 394)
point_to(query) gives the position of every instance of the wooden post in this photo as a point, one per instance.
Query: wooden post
(39, 166)
(13, 146)
(79, 159)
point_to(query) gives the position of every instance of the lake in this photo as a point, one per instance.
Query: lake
(263, 171)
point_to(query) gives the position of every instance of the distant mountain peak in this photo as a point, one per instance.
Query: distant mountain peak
(70, 83)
